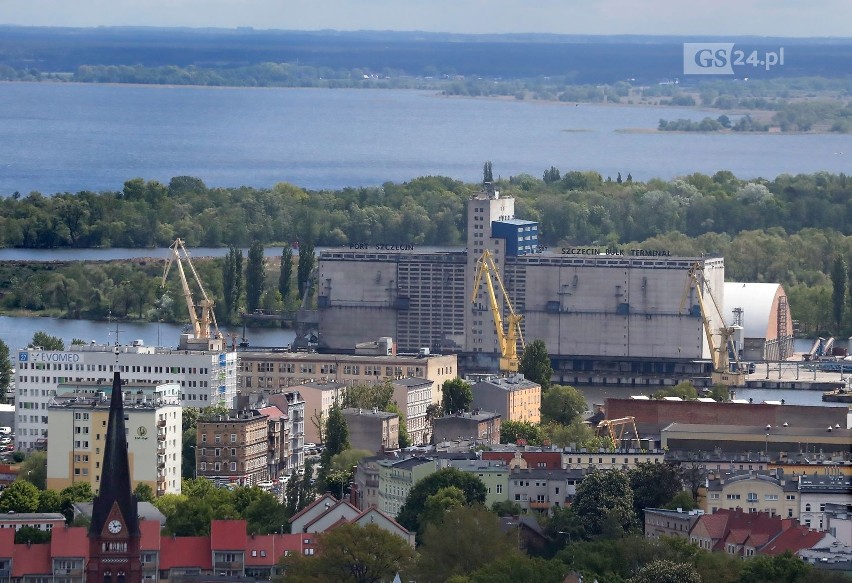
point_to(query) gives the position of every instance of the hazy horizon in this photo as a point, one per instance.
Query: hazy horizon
(760, 18)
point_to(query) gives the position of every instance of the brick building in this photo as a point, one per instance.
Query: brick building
(233, 449)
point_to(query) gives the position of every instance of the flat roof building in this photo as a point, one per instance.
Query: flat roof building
(279, 370)
(480, 427)
(205, 378)
(514, 398)
(78, 423)
(372, 430)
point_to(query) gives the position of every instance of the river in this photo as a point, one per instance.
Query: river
(65, 137)
(17, 332)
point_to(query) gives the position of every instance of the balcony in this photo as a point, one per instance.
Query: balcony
(540, 505)
(161, 423)
(235, 565)
(161, 436)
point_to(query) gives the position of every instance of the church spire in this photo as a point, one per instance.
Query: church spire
(115, 487)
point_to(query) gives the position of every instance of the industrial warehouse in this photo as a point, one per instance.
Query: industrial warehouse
(607, 316)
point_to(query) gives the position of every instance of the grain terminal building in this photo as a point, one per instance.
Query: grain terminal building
(607, 316)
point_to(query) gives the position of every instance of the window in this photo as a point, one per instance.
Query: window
(752, 497)
(807, 507)
(233, 438)
(233, 466)
(309, 552)
(499, 488)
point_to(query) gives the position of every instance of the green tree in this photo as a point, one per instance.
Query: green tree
(189, 417)
(78, 492)
(562, 404)
(839, 280)
(305, 267)
(144, 492)
(784, 568)
(351, 553)
(255, 276)
(456, 396)
(232, 274)
(578, 433)
(514, 431)
(506, 508)
(368, 396)
(515, 567)
(403, 438)
(653, 486)
(535, 364)
(682, 500)
(285, 277)
(551, 175)
(604, 503)
(19, 496)
(5, 371)
(685, 390)
(439, 503)
(466, 539)
(415, 503)
(336, 436)
(666, 572)
(31, 535)
(49, 501)
(487, 174)
(265, 515)
(34, 469)
(46, 341)
(189, 454)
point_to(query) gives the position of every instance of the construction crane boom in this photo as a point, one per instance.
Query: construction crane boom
(507, 339)
(200, 322)
(722, 373)
(614, 428)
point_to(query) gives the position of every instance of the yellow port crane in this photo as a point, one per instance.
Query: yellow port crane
(507, 339)
(722, 373)
(200, 322)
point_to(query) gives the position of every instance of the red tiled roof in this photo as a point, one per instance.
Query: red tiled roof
(31, 560)
(150, 535)
(793, 540)
(714, 524)
(228, 535)
(293, 542)
(186, 551)
(69, 542)
(340, 522)
(260, 550)
(7, 542)
(273, 412)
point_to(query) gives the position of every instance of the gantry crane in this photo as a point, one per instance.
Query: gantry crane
(507, 339)
(723, 373)
(201, 330)
(614, 428)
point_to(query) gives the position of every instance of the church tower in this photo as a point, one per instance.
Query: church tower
(114, 536)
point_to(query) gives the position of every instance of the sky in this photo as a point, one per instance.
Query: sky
(797, 18)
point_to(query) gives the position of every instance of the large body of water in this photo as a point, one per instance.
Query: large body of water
(17, 332)
(58, 137)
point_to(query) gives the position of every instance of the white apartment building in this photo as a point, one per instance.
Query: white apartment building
(413, 395)
(77, 427)
(205, 378)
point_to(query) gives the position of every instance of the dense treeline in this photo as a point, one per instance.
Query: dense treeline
(786, 230)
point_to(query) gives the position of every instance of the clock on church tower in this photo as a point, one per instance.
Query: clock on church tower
(114, 536)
